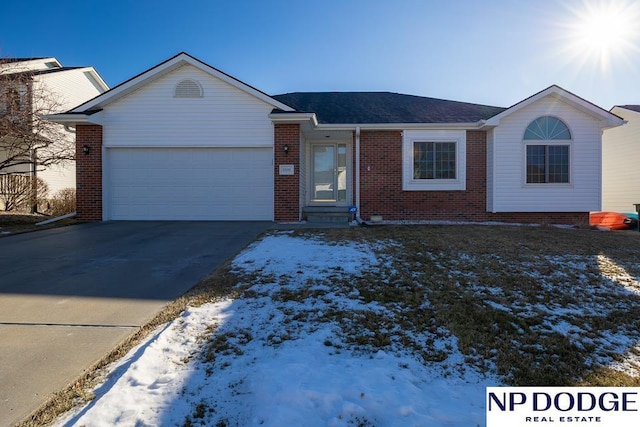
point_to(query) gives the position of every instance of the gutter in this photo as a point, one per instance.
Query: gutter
(294, 117)
(72, 119)
(400, 126)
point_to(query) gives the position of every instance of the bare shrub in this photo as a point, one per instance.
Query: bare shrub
(62, 203)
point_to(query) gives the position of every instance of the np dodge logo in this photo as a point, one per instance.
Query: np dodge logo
(587, 406)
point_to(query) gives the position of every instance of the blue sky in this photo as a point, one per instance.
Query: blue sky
(494, 52)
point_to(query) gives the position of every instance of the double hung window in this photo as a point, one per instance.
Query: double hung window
(548, 144)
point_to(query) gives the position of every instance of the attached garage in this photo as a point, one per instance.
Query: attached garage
(226, 184)
(181, 141)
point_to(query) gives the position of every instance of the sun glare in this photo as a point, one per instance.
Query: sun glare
(604, 31)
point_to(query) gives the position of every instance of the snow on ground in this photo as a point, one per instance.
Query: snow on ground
(281, 354)
(262, 373)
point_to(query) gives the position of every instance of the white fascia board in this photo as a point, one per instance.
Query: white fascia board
(97, 77)
(165, 67)
(293, 117)
(401, 126)
(74, 119)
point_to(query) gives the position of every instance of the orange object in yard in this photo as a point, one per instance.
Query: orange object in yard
(610, 220)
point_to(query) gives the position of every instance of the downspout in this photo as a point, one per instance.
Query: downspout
(358, 218)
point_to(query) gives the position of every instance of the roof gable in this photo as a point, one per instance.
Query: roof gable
(605, 117)
(20, 65)
(384, 108)
(162, 69)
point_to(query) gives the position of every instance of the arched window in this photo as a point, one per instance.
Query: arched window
(547, 128)
(548, 157)
(188, 88)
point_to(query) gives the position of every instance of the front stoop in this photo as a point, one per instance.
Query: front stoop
(326, 214)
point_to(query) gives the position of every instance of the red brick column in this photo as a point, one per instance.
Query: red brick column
(287, 187)
(89, 173)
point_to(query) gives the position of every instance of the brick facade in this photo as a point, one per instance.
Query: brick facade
(287, 187)
(89, 173)
(382, 193)
(381, 190)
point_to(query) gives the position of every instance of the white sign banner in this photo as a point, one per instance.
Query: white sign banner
(562, 406)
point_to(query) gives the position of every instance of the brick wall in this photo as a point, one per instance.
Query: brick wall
(382, 194)
(287, 187)
(89, 173)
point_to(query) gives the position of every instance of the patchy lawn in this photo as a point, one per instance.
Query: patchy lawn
(14, 223)
(386, 326)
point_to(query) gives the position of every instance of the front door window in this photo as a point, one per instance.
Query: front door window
(329, 173)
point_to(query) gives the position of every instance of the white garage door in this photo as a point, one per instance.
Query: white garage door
(189, 184)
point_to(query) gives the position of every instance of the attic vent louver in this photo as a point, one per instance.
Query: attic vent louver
(188, 89)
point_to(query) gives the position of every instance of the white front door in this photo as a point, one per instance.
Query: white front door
(328, 174)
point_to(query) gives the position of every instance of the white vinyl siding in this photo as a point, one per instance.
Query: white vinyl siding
(61, 91)
(490, 169)
(188, 158)
(68, 88)
(58, 177)
(224, 117)
(302, 173)
(507, 168)
(621, 164)
(189, 184)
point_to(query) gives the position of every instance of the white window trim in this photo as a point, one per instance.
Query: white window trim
(409, 137)
(563, 142)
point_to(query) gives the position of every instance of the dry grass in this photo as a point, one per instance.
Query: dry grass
(543, 306)
(15, 223)
(535, 305)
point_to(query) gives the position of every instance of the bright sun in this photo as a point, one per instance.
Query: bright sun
(602, 31)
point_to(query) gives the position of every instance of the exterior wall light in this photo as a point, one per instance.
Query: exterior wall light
(286, 149)
(86, 149)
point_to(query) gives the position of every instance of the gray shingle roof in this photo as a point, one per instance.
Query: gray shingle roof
(384, 107)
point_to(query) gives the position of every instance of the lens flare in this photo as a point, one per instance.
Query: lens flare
(604, 32)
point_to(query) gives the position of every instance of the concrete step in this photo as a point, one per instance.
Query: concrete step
(326, 214)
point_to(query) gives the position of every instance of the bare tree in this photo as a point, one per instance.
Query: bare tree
(16, 192)
(29, 143)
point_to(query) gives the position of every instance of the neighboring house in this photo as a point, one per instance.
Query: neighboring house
(44, 85)
(621, 162)
(185, 141)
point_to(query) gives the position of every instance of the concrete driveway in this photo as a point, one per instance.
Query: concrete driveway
(70, 295)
